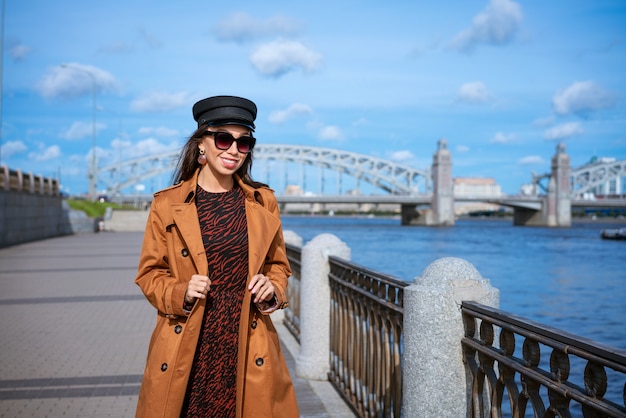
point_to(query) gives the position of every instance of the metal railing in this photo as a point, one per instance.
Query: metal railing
(493, 370)
(15, 180)
(366, 346)
(366, 315)
(292, 313)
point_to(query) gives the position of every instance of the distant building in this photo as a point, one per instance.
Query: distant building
(475, 187)
(293, 190)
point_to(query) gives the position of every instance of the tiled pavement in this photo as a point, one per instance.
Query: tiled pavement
(74, 331)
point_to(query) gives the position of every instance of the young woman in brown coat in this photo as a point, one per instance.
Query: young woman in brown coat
(214, 265)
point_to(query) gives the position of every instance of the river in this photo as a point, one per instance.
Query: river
(568, 278)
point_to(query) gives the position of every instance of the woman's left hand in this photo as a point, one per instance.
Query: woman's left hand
(262, 288)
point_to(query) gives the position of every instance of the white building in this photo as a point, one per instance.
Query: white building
(478, 188)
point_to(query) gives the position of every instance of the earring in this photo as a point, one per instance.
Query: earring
(201, 157)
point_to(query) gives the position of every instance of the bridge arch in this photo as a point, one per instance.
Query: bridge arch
(591, 177)
(387, 176)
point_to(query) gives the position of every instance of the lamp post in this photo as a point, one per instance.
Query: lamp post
(93, 169)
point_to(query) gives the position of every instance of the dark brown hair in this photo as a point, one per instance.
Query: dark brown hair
(188, 161)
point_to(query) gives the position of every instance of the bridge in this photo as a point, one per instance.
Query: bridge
(425, 195)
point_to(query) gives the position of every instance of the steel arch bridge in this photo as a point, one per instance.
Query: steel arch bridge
(385, 175)
(590, 177)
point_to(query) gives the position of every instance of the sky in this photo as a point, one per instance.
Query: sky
(503, 82)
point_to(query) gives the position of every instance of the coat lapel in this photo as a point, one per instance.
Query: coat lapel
(186, 218)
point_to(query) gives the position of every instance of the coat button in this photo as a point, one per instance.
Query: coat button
(163, 367)
(253, 324)
(178, 329)
(185, 252)
(259, 361)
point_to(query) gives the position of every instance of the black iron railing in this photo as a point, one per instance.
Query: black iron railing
(510, 380)
(292, 313)
(366, 315)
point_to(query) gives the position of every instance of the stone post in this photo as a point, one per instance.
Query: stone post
(292, 238)
(434, 378)
(313, 360)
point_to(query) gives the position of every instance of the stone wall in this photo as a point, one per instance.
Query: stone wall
(28, 217)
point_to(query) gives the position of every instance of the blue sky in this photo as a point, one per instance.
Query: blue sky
(502, 81)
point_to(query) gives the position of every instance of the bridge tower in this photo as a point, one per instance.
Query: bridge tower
(561, 207)
(443, 186)
(441, 211)
(556, 208)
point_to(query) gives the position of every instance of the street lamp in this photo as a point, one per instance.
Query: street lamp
(93, 170)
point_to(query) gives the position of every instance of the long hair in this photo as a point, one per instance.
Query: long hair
(188, 161)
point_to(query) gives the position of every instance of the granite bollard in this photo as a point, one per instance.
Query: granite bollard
(313, 361)
(434, 378)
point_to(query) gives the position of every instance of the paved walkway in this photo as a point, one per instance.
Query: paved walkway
(75, 329)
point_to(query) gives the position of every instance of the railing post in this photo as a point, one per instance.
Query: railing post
(313, 361)
(434, 376)
(292, 238)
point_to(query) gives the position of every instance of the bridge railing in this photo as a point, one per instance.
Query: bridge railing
(400, 349)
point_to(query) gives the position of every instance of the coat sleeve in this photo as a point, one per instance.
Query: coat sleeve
(155, 272)
(276, 265)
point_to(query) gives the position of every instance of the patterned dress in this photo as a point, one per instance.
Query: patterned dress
(212, 385)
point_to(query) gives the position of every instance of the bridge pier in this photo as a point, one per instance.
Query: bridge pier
(556, 208)
(441, 212)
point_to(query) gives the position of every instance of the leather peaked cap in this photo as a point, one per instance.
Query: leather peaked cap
(225, 110)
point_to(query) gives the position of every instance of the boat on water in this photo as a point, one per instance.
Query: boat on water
(614, 233)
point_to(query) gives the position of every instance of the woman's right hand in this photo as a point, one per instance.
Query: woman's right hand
(198, 287)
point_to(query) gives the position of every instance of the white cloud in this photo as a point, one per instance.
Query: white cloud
(117, 48)
(280, 116)
(462, 148)
(563, 131)
(47, 154)
(474, 92)
(150, 39)
(124, 150)
(80, 130)
(531, 160)
(11, 148)
(241, 27)
(582, 97)
(74, 80)
(543, 122)
(496, 25)
(159, 101)
(149, 146)
(161, 131)
(330, 133)
(402, 156)
(277, 58)
(19, 51)
(502, 138)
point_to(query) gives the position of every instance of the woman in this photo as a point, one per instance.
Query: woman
(214, 265)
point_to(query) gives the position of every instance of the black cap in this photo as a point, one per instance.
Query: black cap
(225, 110)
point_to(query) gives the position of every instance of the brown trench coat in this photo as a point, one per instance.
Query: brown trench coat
(172, 252)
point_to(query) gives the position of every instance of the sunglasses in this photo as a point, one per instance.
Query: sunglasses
(224, 140)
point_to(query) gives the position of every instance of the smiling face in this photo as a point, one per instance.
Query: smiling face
(217, 173)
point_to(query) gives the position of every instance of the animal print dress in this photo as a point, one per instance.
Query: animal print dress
(212, 385)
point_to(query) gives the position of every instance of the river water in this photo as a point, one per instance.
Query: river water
(568, 278)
